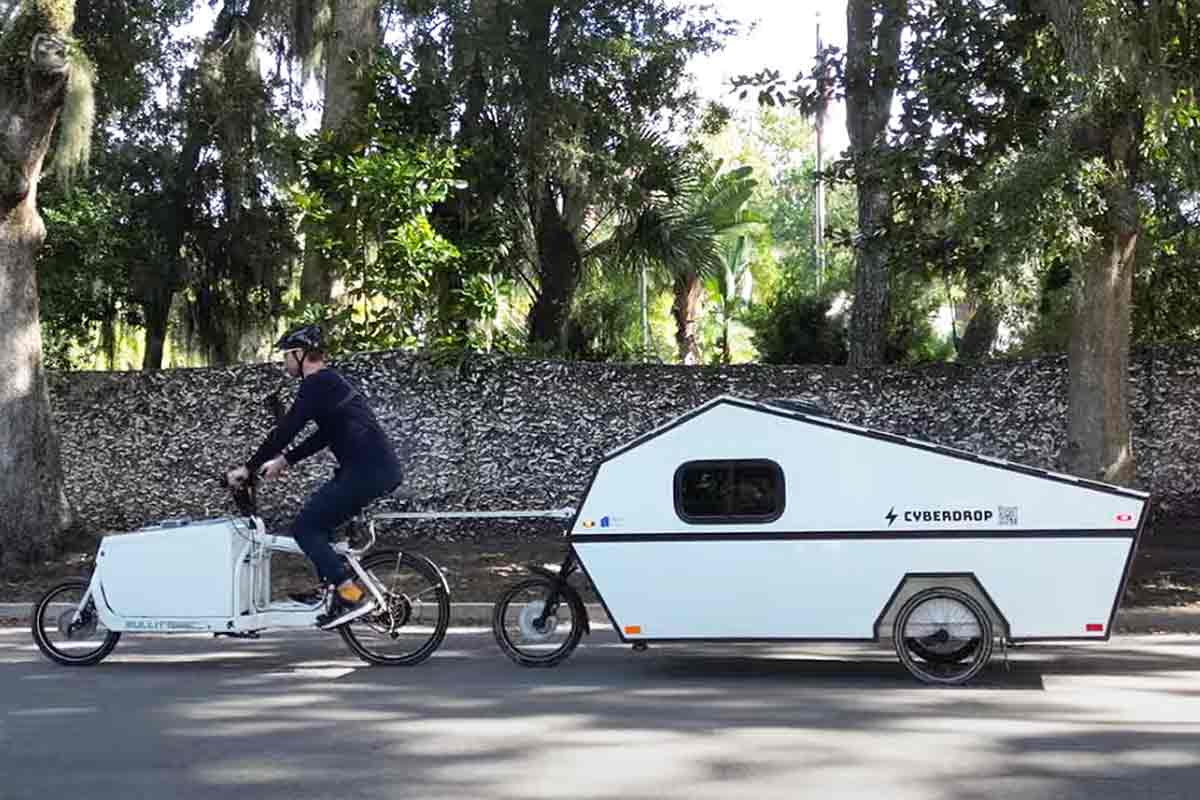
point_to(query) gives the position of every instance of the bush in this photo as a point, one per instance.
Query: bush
(799, 329)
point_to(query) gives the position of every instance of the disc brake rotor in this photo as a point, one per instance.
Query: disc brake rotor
(80, 630)
(527, 622)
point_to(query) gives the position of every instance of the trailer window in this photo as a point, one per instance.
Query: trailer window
(723, 492)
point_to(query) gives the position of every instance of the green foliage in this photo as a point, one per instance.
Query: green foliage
(791, 215)
(381, 243)
(480, 116)
(687, 209)
(606, 321)
(909, 336)
(798, 328)
(83, 275)
(730, 292)
(130, 53)
(547, 101)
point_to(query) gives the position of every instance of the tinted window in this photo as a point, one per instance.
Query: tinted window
(715, 492)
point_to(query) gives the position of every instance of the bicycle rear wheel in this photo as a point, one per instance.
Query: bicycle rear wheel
(413, 624)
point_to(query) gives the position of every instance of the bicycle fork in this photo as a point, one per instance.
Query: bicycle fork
(560, 578)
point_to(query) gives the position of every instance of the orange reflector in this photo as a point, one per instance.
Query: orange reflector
(1094, 627)
(633, 628)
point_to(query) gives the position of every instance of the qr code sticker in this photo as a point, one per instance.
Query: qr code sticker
(1008, 515)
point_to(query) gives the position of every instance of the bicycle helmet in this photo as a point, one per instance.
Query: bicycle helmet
(306, 339)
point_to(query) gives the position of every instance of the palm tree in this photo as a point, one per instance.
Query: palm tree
(732, 287)
(687, 210)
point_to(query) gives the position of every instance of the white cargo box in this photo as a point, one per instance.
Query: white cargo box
(177, 570)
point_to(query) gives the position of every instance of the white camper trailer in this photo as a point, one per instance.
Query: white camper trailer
(749, 521)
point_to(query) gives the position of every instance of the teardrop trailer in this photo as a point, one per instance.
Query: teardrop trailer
(765, 521)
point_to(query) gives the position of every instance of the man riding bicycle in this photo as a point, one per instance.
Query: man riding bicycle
(367, 464)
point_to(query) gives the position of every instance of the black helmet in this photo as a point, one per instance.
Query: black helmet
(306, 339)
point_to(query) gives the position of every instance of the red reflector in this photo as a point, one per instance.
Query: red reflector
(1094, 627)
(1124, 517)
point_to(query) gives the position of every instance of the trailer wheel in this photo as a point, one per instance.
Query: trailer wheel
(943, 636)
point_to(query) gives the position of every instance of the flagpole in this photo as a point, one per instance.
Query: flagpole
(819, 205)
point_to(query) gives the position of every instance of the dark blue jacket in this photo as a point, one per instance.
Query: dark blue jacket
(345, 424)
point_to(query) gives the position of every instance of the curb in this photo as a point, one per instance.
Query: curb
(1145, 619)
(1159, 619)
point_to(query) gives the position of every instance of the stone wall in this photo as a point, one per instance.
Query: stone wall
(498, 432)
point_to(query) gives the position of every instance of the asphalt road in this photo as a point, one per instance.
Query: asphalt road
(295, 716)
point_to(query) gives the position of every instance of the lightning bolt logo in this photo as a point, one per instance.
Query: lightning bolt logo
(890, 516)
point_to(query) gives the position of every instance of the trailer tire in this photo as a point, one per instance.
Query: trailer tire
(943, 615)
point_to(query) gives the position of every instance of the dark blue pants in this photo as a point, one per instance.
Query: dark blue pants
(330, 506)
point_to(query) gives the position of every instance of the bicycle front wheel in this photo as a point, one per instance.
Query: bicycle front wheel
(68, 638)
(414, 621)
(533, 633)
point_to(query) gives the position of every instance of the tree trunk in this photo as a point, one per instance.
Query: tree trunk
(872, 57)
(158, 312)
(726, 353)
(980, 336)
(557, 199)
(33, 505)
(356, 34)
(560, 266)
(1099, 444)
(868, 314)
(686, 310)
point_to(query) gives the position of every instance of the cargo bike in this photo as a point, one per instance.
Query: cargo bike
(214, 576)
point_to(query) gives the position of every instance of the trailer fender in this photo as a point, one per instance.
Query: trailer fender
(428, 563)
(914, 582)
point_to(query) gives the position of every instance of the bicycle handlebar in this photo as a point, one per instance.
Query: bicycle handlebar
(245, 497)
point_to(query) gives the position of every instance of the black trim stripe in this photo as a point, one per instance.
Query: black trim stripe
(929, 535)
(892, 438)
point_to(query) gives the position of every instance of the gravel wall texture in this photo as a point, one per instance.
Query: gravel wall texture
(494, 432)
